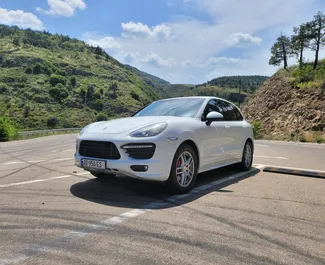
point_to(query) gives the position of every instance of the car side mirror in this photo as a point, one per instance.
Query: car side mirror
(213, 116)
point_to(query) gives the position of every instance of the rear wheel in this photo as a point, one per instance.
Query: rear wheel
(184, 169)
(102, 176)
(247, 159)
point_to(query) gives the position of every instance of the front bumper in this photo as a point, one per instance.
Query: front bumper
(158, 166)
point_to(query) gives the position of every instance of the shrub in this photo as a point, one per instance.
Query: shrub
(57, 79)
(304, 74)
(73, 81)
(52, 122)
(59, 92)
(319, 139)
(37, 69)
(40, 98)
(257, 129)
(3, 88)
(101, 117)
(99, 105)
(8, 130)
(29, 70)
(135, 96)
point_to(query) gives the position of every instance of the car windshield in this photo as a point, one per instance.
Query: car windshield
(187, 107)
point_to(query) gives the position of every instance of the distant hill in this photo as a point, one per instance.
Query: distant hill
(225, 87)
(178, 90)
(51, 80)
(157, 84)
(247, 83)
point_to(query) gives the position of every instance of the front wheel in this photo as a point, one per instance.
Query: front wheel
(247, 159)
(184, 169)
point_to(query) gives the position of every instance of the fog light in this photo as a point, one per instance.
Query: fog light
(139, 168)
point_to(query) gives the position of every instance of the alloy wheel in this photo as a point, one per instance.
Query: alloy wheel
(185, 169)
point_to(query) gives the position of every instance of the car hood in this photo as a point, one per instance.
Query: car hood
(128, 124)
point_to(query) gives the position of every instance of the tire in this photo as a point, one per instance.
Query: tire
(102, 176)
(247, 159)
(183, 182)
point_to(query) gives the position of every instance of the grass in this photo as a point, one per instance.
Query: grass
(25, 95)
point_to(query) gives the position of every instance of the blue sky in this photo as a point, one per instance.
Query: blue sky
(182, 41)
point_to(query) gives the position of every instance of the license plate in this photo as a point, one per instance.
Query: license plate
(93, 164)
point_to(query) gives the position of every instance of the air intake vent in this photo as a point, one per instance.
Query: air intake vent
(140, 150)
(99, 149)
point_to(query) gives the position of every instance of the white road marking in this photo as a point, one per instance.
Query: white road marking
(262, 145)
(39, 180)
(115, 220)
(292, 168)
(37, 161)
(63, 159)
(272, 157)
(14, 163)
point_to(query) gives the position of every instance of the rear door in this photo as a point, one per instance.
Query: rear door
(215, 139)
(235, 123)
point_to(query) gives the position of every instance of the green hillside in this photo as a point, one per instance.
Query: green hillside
(54, 81)
(226, 87)
(157, 84)
(247, 83)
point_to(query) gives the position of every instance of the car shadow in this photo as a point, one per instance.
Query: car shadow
(126, 192)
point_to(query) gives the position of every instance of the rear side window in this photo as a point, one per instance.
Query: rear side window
(238, 114)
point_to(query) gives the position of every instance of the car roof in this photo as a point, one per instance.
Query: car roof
(192, 97)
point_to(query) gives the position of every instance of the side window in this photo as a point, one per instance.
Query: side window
(212, 106)
(238, 114)
(228, 112)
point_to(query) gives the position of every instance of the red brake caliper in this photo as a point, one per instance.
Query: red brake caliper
(179, 163)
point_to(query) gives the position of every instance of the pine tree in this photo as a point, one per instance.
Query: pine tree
(280, 51)
(301, 40)
(317, 34)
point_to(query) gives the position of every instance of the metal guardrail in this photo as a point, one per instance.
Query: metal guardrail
(48, 131)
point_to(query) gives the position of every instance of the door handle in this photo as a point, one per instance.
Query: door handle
(227, 126)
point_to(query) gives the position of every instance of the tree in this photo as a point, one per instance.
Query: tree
(59, 92)
(301, 40)
(101, 117)
(317, 34)
(73, 81)
(16, 42)
(52, 122)
(57, 79)
(113, 87)
(280, 51)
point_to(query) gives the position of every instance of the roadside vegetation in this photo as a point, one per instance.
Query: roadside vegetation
(307, 36)
(53, 81)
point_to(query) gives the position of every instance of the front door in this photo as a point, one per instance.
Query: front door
(215, 140)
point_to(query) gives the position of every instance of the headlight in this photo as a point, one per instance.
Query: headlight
(151, 130)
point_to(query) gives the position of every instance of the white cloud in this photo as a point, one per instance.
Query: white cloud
(243, 38)
(156, 61)
(65, 8)
(106, 43)
(185, 47)
(213, 61)
(133, 30)
(20, 18)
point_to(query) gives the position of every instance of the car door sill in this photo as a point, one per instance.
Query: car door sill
(224, 164)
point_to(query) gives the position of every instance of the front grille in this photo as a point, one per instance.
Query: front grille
(140, 151)
(99, 149)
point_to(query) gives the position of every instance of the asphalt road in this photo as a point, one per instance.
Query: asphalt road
(50, 215)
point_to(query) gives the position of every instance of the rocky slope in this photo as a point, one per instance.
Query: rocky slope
(282, 108)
